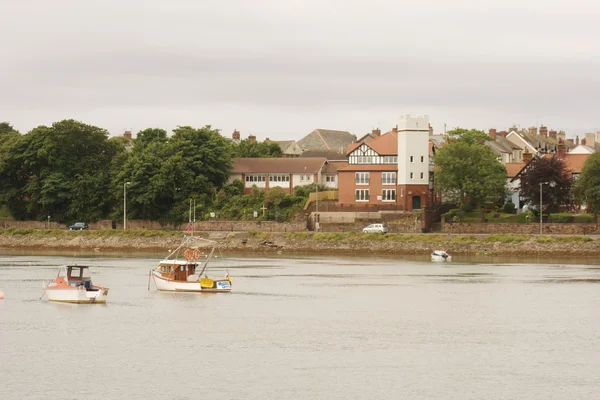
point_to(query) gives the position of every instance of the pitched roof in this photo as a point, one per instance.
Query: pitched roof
(326, 139)
(328, 154)
(333, 166)
(574, 162)
(369, 167)
(284, 144)
(384, 145)
(278, 165)
(513, 169)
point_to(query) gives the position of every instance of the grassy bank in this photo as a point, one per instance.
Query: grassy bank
(302, 242)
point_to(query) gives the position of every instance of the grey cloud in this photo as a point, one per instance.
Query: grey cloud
(300, 62)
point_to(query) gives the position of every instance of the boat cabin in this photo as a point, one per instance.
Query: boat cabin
(79, 276)
(178, 270)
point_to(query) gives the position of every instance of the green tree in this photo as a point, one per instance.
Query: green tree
(586, 189)
(253, 149)
(7, 131)
(552, 174)
(61, 170)
(468, 170)
(166, 172)
(150, 135)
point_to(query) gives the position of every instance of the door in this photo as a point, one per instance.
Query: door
(416, 202)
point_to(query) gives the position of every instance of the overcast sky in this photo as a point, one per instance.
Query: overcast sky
(281, 68)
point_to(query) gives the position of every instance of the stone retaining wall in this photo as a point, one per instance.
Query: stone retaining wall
(547, 229)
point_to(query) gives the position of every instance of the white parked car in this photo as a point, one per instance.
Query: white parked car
(376, 228)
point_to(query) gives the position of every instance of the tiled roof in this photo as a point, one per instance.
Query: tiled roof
(369, 167)
(328, 154)
(332, 166)
(326, 139)
(512, 169)
(573, 162)
(284, 144)
(277, 165)
(384, 145)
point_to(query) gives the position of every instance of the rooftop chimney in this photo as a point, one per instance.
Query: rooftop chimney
(577, 140)
(561, 149)
(267, 140)
(527, 155)
(376, 132)
(493, 133)
(395, 129)
(552, 134)
(503, 133)
(252, 138)
(543, 131)
(532, 130)
(235, 135)
(127, 135)
(590, 139)
(570, 142)
(583, 141)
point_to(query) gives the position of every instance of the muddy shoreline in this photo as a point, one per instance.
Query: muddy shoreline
(316, 244)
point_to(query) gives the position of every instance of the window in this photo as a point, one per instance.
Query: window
(388, 178)
(412, 159)
(388, 195)
(362, 178)
(390, 159)
(411, 175)
(421, 175)
(422, 159)
(330, 178)
(301, 178)
(362, 194)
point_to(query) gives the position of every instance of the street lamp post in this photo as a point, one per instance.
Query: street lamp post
(317, 204)
(551, 184)
(125, 204)
(541, 227)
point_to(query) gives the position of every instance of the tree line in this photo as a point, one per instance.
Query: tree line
(72, 171)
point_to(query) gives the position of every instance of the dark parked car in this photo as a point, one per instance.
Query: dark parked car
(79, 226)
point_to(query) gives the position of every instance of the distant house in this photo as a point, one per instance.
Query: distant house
(573, 163)
(393, 168)
(582, 149)
(286, 173)
(289, 148)
(326, 139)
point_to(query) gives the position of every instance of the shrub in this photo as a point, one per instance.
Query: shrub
(509, 208)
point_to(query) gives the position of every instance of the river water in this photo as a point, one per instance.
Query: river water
(306, 328)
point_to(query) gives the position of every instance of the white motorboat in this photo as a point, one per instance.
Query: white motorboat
(184, 270)
(74, 285)
(440, 255)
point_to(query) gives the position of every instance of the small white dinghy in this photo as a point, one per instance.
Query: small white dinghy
(74, 285)
(440, 255)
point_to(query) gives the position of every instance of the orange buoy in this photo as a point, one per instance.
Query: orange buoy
(197, 254)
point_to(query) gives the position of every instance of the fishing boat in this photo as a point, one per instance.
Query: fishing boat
(74, 285)
(185, 269)
(440, 255)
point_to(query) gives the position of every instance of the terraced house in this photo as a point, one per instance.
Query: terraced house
(393, 168)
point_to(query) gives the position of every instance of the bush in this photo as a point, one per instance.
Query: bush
(509, 208)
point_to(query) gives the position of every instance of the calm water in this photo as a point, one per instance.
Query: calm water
(307, 328)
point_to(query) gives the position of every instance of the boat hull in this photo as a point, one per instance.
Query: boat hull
(163, 284)
(77, 296)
